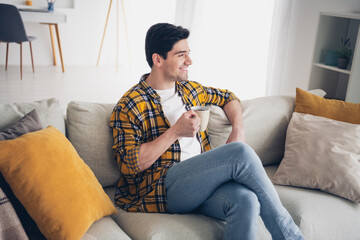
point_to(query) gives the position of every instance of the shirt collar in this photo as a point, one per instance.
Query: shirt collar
(149, 90)
(152, 92)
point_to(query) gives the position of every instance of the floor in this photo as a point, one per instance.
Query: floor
(103, 84)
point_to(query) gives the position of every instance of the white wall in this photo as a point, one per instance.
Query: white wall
(302, 33)
(229, 40)
(81, 38)
(81, 35)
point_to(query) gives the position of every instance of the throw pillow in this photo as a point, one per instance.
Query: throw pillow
(56, 187)
(321, 153)
(10, 226)
(28, 123)
(50, 112)
(330, 108)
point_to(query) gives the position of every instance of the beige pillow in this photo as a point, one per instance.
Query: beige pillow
(321, 153)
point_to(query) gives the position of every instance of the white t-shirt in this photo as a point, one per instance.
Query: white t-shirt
(173, 108)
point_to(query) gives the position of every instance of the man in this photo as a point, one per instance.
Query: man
(167, 165)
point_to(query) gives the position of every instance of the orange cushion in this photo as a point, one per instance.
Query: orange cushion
(306, 102)
(53, 183)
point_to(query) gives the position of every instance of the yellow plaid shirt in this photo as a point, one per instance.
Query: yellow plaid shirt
(139, 118)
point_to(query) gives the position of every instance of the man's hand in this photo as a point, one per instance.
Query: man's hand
(187, 125)
(236, 135)
(233, 111)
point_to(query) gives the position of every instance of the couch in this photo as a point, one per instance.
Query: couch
(319, 215)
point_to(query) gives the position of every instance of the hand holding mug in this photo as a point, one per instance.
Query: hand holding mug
(188, 124)
(204, 113)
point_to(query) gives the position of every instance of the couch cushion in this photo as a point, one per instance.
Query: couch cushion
(50, 113)
(265, 121)
(87, 128)
(320, 215)
(105, 229)
(162, 226)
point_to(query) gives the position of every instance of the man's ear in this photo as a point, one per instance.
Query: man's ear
(157, 59)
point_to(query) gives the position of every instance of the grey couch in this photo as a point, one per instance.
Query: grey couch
(319, 215)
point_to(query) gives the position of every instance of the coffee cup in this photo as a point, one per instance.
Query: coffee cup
(204, 114)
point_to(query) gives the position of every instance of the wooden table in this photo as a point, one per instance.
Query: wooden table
(52, 19)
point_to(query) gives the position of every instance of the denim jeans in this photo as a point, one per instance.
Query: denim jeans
(229, 183)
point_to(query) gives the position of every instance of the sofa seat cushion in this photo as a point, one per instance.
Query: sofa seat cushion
(162, 226)
(105, 229)
(320, 215)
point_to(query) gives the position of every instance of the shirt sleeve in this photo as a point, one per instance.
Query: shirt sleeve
(216, 96)
(127, 136)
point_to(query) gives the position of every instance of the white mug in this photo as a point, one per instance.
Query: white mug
(204, 114)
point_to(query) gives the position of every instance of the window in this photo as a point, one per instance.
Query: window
(229, 44)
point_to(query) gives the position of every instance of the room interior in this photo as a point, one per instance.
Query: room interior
(265, 55)
(267, 69)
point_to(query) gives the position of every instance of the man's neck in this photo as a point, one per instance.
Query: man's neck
(159, 82)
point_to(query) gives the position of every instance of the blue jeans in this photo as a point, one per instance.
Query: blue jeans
(229, 183)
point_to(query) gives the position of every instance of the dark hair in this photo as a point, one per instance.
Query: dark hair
(160, 39)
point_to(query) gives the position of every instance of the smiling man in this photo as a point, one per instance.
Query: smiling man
(167, 164)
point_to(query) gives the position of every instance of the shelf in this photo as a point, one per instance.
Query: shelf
(336, 82)
(342, 15)
(333, 68)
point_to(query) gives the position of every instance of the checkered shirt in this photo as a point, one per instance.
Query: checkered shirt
(138, 118)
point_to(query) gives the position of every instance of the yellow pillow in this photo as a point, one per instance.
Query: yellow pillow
(53, 183)
(306, 102)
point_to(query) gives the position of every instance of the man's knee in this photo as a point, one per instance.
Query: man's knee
(240, 148)
(243, 153)
(242, 199)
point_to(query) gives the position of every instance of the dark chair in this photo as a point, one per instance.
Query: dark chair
(12, 30)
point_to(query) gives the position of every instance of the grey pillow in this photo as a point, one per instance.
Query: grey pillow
(50, 112)
(28, 123)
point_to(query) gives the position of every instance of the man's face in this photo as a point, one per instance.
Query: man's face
(176, 65)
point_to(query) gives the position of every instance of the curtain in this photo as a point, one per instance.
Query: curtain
(277, 48)
(185, 13)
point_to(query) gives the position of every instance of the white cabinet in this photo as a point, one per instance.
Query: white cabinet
(343, 84)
